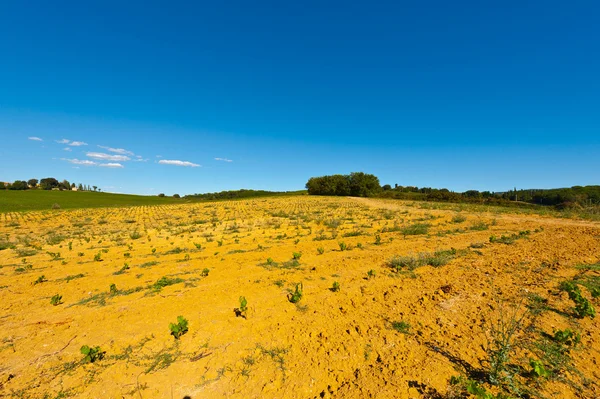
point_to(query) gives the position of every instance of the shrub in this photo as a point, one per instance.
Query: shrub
(55, 206)
(458, 218)
(205, 272)
(179, 328)
(320, 250)
(134, 235)
(98, 257)
(335, 287)
(296, 255)
(371, 274)
(343, 246)
(113, 289)
(91, 354)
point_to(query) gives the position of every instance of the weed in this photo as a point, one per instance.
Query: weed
(243, 309)
(371, 274)
(113, 289)
(583, 307)
(165, 282)
(91, 354)
(205, 272)
(296, 255)
(343, 246)
(98, 257)
(415, 229)
(459, 218)
(40, 279)
(377, 239)
(179, 328)
(401, 326)
(56, 300)
(320, 250)
(296, 296)
(335, 287)
(134, 235)
(122, 270)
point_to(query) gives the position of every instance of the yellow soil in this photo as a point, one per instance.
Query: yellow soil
(330, 344)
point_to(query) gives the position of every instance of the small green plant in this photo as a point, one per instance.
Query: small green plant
(583, 307)
(377, 239)
(458, 218)
(371, 274)
(153, 250)
(296, 296)
(567, 337)
(538, 369)
(91, 354)
(335, 287)
(219, 243)
(243, 309)
(205, 272)
(134, 235)
(197, 245)
(320, 250)
(113, 289)
(296, 255)
(122, 270)
(270, 261)
(56, 300)
(98, 257)
(40, 279)
(343, 246)
(179, 328)
(401, 326)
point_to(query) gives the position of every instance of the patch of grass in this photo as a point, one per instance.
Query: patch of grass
(415, 229)
(149, 264)
(40, 279)
(335, 286)
(72, 277)
(401, 326)
(458, 218)
(435, 259)
(24, 252)
(165, 282)
(479, 226)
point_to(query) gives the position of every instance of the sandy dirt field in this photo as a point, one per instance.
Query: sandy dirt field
(421, 288)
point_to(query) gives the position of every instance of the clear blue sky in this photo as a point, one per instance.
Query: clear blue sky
(458, 94)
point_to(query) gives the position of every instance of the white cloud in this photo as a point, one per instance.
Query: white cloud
(159, 156)
(76, 161)
(110, 165)
(106, 157)
(63, 141)
(178, 163)
(35, 138)
(223, 159)
(77, 143)
(121, 151)
(67, 149)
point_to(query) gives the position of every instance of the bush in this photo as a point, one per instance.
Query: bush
(296, 296)
(56, 300)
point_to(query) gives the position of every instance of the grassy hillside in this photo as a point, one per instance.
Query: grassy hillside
(29, 200)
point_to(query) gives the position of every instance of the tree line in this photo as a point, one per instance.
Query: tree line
(48, 183)
(237, 194)
(359, 184)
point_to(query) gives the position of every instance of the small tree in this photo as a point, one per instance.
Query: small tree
(95, 187)
(176, 196)
(161, 195)
(33, 182)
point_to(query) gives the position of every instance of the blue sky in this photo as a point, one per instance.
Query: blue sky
(264, 95)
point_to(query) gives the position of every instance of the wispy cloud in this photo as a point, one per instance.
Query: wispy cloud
(111, 165)
(63, 141)
(178, 163)
(223, 159)
(35, 138)
(67, 149)
(77, 143)
(107, 157)
(76, 161)
(121, 151)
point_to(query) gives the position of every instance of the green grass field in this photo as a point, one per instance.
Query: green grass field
(33, 200)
